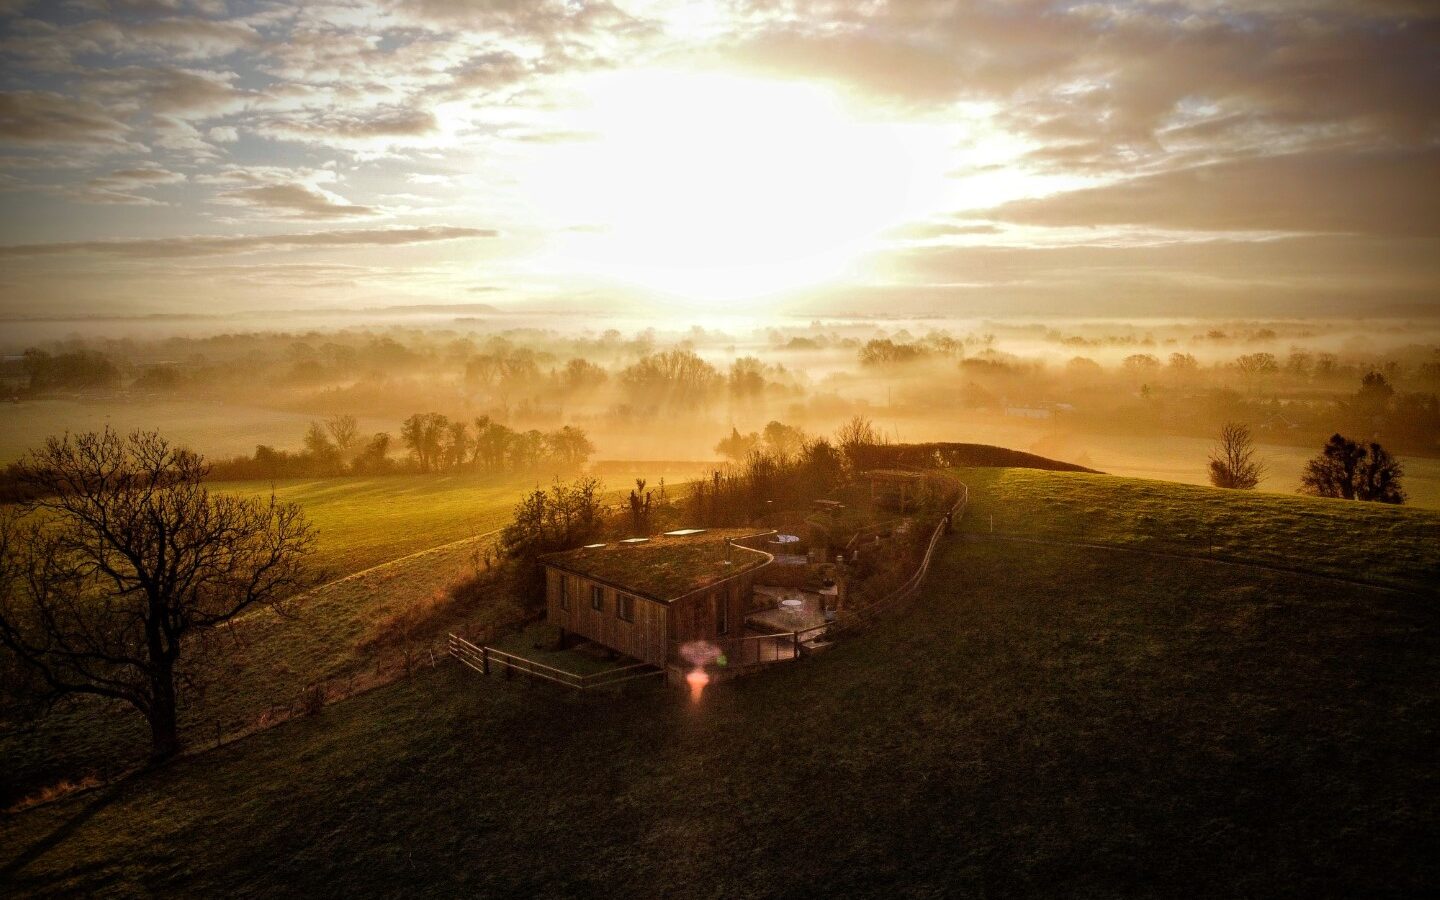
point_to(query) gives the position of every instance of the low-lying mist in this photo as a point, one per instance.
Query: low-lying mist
(1134, 398)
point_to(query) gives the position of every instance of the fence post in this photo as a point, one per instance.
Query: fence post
(485, 659)
(795, 644)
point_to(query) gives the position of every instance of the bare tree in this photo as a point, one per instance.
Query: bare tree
(858, 432)
(115, 576)
(345, 430)
(1233, 463)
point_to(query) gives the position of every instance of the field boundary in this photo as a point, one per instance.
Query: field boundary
(1014, 538)
(378, 567)
(482, 658)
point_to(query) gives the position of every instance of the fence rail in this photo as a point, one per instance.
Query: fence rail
(750, 650)
(483, 659)
(850, 618)
(854, 617)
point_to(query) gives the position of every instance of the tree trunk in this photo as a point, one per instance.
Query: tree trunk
(164, 727)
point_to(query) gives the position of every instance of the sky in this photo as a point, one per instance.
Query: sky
(1195, 157)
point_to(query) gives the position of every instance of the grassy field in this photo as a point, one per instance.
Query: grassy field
(1370, 542)
(213, 427)
(363, 527)
(1165, 457)
(1051, 720)
(270, 661)
(388, 542)
(362, 522)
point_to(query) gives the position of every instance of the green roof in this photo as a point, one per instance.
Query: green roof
(664, 567)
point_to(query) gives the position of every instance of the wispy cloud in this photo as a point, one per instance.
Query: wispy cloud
(217, 245)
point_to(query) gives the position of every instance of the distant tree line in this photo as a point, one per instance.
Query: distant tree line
(433, 443)
(74, 370)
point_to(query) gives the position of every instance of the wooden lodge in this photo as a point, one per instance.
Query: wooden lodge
(643, 597)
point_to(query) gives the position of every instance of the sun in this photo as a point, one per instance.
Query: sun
(718, 189)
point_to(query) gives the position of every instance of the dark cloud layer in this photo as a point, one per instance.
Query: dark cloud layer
(216, 245)
(1376, 193)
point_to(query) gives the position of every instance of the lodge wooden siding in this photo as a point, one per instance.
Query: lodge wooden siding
(646, 638)
(656, 625)
(695, 618)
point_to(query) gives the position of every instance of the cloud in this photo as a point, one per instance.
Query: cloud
(295, 201)
(924, 231)
(379, 123)
(163, 91)
(123, 186)
(218, 245)
(223, 134)
(45, 117)
(1381, 193)
(37, 43)
(1126, 78)
(287, 193)
(521, 17)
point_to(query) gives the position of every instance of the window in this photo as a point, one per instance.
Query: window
(625, 607)
(564, 592)
(722, 613)
(597, 597)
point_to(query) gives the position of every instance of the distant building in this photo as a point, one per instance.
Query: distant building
(1277, 422)
(1046, 409)
(644, 596)
(1028, 412)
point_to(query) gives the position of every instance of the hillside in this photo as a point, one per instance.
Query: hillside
(885, 456)
(1044, 719)
(363, 522)
(1366, 542)
(387, 543)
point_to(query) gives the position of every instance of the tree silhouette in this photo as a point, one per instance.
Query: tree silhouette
(1232, 462)
(116, 575)
(1352, 471)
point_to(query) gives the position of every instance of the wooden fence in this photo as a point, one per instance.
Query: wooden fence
(489, 660)
(741, 652)
(860, 615)
(749, 650)
(782, 646)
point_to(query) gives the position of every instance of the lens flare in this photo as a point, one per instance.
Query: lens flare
(699, 654)
(697, 679)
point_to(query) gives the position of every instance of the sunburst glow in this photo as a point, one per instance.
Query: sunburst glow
(719, 188)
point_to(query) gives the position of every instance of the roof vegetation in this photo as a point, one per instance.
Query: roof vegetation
(666, 566)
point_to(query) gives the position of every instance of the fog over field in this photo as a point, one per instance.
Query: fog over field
(1135, 397)
(721, 448)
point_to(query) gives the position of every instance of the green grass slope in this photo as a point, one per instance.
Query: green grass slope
(1044, 719)
(1370, 542)
(377, 537)
(269, 661)
(363, 522)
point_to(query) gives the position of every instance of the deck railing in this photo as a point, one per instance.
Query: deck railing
(489, 660)
(787, 645)
(747, 650)
(739, 652)
(906, 591)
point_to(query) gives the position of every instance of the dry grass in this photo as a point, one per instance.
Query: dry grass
(61, 789)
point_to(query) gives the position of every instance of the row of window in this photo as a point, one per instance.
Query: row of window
(625, 605)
